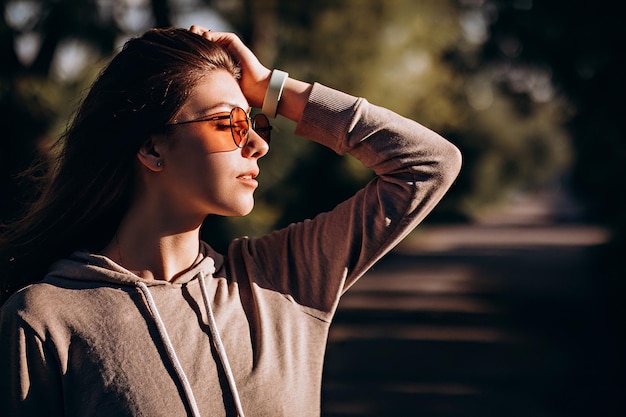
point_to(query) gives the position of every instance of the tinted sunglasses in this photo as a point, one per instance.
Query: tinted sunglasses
(237, 122)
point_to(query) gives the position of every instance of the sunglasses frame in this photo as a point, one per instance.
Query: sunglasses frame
(264, 131)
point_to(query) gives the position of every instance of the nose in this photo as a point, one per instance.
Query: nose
(256, 147)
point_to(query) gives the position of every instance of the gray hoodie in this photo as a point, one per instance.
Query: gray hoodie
(240, 333)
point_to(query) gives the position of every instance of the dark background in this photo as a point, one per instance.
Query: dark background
(531, 91)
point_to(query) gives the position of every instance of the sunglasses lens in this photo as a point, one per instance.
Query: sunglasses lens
(239, 126)
(262, 127)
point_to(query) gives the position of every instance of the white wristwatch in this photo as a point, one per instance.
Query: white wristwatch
(273, 93)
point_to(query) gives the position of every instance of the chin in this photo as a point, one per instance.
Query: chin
(240, 211)
(246, 212)
(239, 206)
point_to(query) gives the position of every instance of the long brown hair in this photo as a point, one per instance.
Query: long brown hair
(89, 189)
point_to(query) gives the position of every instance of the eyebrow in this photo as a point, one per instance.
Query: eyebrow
(210, 110)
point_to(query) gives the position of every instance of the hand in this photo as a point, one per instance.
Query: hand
(254, 76)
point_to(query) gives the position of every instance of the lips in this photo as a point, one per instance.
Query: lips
(248, 176)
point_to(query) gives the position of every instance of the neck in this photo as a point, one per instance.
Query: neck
(154, 249)
(162, 257)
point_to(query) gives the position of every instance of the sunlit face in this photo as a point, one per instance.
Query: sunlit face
(196, 175)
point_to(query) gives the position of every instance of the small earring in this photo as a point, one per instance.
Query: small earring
(159, 164)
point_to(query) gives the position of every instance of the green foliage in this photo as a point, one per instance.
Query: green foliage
(582, 47)
(423, 59)
(418, 59)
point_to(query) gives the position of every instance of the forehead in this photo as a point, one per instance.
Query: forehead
(216, 92)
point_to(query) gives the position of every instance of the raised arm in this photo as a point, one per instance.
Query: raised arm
(314, 261)
(255, 77)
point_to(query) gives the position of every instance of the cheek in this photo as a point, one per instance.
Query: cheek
(220, 188)
(207, 174)
(188, 154)
(212, 172)
(196, 174)
(188, 168)
(215, 170)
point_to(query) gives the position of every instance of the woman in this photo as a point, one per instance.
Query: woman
(137, 316)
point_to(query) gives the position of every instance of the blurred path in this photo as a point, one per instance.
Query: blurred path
(484, 320)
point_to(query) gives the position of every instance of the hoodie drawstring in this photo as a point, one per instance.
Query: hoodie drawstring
(169, 347)
(221, 351)
(171, 353)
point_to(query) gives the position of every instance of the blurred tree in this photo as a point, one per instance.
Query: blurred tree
(581, 47)
(421, 59)
(34, 93)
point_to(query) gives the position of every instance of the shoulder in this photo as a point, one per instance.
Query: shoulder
(42, 305)
(35, 300)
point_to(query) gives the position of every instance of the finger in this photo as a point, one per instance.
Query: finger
(229, 41)
(199, 30)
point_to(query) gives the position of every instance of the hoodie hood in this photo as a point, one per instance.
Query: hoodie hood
(85, 266)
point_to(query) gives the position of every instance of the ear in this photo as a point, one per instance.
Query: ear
(149, 155)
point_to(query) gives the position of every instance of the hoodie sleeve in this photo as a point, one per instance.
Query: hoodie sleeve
(315, 261)
(30, 383)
